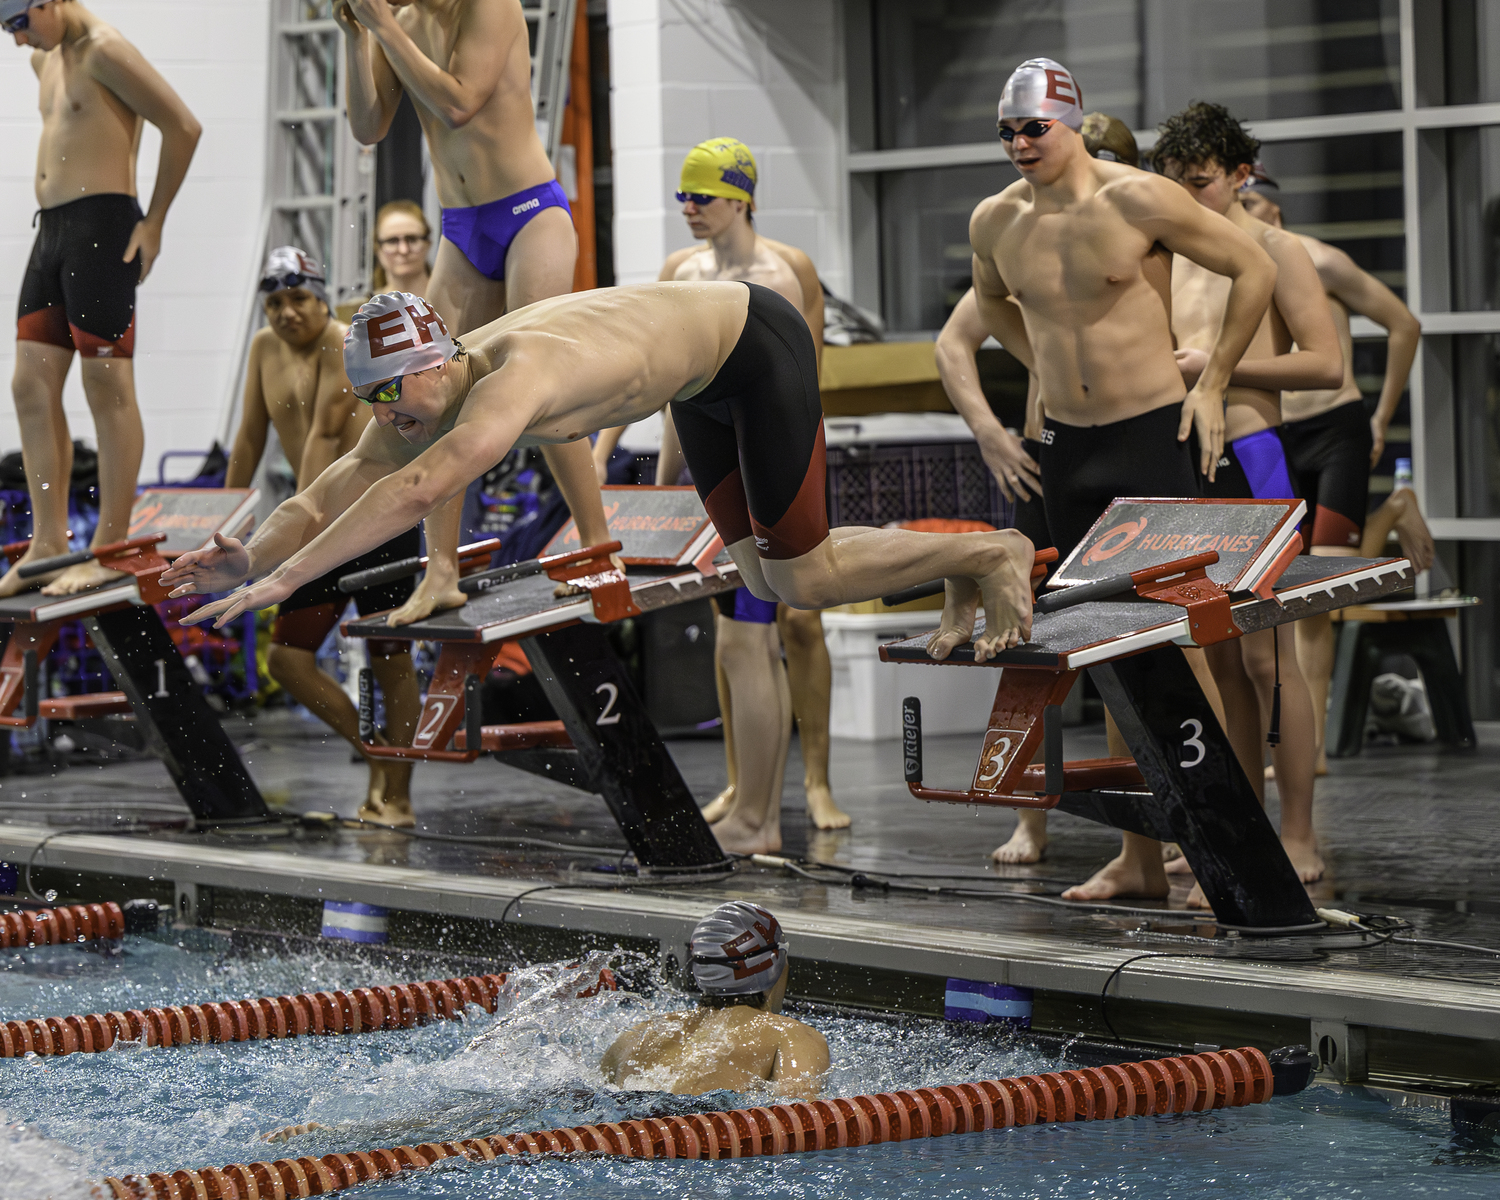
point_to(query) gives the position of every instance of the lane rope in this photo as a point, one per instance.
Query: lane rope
(61, 923)
(359, 1010)
(1191, 1083)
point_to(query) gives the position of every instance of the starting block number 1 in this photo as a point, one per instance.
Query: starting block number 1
(161, 679)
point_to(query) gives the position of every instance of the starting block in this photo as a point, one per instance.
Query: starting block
(121, 622)
(604, 742)
(1121, 616)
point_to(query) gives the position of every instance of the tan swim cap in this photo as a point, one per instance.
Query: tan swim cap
(720, 167)
(1042, 87)
(1110, 138)
(395, 333)
(738, 949)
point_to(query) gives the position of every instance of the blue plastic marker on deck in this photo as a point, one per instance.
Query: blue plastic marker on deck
(354, 922)
(987, 1003)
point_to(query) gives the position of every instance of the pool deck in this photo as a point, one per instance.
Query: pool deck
(1407, 831)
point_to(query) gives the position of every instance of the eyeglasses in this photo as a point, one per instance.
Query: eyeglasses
(1032, 129)
(406, 241)
(388, 393)
(274, 283)
(698, 198)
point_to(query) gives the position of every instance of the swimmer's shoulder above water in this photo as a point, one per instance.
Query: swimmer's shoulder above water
(736, 1039)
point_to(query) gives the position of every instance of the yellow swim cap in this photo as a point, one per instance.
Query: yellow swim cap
(720, 167)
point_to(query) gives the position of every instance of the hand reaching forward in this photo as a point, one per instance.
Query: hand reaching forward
(215, 568)
(273, 589)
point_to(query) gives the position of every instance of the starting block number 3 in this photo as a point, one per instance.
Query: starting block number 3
(1192, 741)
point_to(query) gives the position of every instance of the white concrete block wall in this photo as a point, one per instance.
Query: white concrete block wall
(189, 310)
(769, 72)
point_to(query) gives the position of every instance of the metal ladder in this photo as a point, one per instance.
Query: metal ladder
(320, 182)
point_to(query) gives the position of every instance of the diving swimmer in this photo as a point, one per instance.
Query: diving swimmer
(736, 1038)
(736, 361)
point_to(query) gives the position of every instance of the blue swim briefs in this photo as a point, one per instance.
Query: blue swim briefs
(484, 233)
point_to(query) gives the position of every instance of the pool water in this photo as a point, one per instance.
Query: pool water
(532, 1066)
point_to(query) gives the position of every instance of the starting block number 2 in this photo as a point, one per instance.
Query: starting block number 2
(608, 716)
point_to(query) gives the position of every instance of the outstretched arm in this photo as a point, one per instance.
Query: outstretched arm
(957, 347)
(1362, 293)
(486, 36)
(1165, 213)
(121, 68)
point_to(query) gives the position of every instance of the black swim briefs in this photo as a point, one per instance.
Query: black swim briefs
(1084, 467)
(1329, 458)
(78, 292)
(753, 438)
(309, 614)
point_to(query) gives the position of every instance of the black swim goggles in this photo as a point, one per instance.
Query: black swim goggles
(1033, 129)
(275, 283)
(388, 393)
(698, 198)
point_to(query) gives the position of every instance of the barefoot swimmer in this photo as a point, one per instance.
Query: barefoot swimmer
(737, 1038)
(736, 361)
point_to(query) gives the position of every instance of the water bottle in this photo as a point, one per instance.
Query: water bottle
(1403, 474)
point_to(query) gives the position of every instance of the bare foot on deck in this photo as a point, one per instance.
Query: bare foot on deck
(1123, 876)
(81, 577)
(821, 810)
(1196, 899)
(1174, 862)
(1028, 843)
(1305, 858)
(395, 813)
(719, 807)
(736, 836)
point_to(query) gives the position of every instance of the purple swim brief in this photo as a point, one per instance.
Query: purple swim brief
(484, 233)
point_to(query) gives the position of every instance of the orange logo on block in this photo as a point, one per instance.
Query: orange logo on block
(1108, 547)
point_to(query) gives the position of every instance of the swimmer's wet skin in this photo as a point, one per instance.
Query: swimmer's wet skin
(727, 356)
(736, 1039)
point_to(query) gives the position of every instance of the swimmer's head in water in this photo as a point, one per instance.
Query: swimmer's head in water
(395, 333)
(738, 950)
(1045, 89)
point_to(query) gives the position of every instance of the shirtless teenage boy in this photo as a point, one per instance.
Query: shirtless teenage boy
(757, 695)
(1330, 447)
(1205, 150)
(1074, 242)
(739, 366)
(507, 237)
(736, 1039)
(295, 381)
(93, 246)
(1013, 460)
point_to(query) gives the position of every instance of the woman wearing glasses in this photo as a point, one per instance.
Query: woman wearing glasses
(403, 240)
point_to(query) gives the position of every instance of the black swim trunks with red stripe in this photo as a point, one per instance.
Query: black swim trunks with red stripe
(78, 292)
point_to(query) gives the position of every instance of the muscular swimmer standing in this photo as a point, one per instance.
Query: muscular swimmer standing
(295, 381)
(737, 1038)
(1074, 242)
(1012, 460)
(738, 364)
(507, 238)
(93, 246)
(1295, 346)
(717, 194)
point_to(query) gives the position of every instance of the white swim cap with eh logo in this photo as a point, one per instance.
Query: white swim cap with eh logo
(395, 333)
(738, 950)
(1042, 87)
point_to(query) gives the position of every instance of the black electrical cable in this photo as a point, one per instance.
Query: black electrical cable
(1406, 941)
(488, 839)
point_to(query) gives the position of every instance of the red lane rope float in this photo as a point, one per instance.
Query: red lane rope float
(1193, 1083)
(65, 923)
(360, 1010)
